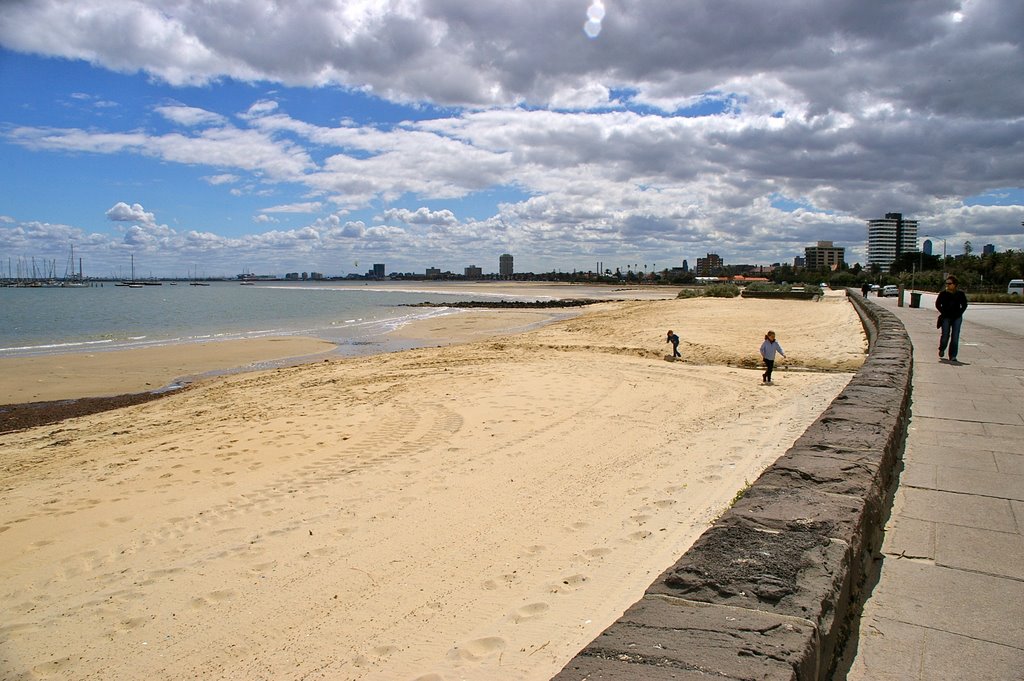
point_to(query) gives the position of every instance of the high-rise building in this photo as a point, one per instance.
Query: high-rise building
(889, 238)
(378, 270)
(709, 266)
(825, 254)
(505, 267)
(473, 272)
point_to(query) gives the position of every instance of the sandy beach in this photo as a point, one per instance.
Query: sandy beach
(479, 510)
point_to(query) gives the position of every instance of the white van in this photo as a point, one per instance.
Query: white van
(1016, 287)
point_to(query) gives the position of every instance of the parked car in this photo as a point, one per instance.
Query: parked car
(1016, 287)
(875, 288)
(889, 290)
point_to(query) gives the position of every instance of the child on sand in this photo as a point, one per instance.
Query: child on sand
(769, 347)
(674, 340)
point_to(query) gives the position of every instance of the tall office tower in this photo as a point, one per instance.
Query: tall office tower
(378, 270)
(825, 254)
(709, 266)
(889, 238)
(505, 268)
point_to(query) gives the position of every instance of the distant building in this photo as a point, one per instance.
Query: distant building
(378, 270)
(927, 247)
(988, 249)
(505, 266)
(686, 266)
(889, 238)
(825, 254)
(798, 262)
(474, 272)
(433, 272)
(709, 266)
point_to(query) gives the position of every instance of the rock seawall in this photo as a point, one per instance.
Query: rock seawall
(770, 589)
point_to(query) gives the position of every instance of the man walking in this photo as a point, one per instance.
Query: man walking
(951, 304)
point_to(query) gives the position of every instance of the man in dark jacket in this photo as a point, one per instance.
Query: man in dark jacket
(951, 304)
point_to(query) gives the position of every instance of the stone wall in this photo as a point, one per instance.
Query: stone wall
(770, 589)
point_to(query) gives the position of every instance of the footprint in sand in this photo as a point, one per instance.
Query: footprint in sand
(211, 598)
(529, 612)
(477, 650)
(598, 552)
(568, 584)
(375, 655)
(51, 668)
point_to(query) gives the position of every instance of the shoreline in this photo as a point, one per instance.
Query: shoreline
(70, 385)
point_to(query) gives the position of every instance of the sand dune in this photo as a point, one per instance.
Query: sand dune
(476, 511)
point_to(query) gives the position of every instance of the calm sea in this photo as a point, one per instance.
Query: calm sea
(354, 315)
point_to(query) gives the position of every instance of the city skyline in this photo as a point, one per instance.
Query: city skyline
(325, 136)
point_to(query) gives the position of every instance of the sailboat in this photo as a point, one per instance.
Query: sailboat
(195, 281)
(131, 283)
(71, 278)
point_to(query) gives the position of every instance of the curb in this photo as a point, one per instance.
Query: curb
(769, 591)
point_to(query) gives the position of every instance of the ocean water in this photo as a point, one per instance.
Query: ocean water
(355, 315)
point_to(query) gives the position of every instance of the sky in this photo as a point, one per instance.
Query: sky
(270, 136)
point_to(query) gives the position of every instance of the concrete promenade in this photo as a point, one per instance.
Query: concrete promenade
(949, 602)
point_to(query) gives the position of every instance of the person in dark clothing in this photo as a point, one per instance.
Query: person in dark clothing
(674, 340)
(864, 288)
(951, 304)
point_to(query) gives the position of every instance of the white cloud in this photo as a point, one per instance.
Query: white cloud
(190, 115)
(122, 212)
(421, 216)
(307, 207)
(222, 178)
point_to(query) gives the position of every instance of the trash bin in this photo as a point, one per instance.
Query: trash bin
(915, 299)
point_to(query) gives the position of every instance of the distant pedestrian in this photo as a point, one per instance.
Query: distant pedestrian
(864, 288)
(674, 340)
(769, 347)
(951, 304)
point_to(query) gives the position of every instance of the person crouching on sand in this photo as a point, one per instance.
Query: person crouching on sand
(674, 340)
(769, 347)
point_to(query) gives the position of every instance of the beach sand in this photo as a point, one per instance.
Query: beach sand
(472, 511)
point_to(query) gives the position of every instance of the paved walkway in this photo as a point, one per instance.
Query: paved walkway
(949, 603)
